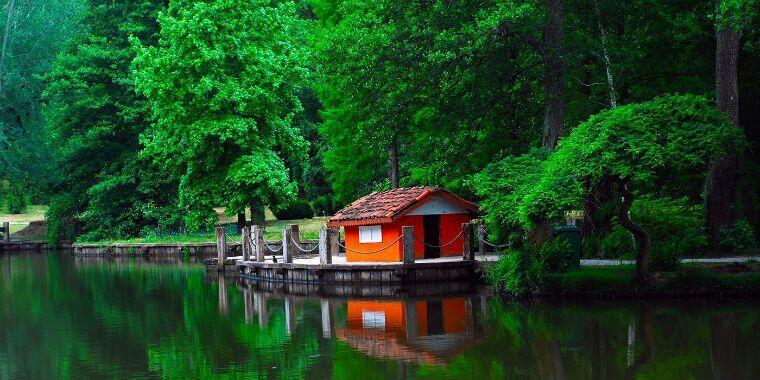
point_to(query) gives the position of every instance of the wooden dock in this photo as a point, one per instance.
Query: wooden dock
(311, 271)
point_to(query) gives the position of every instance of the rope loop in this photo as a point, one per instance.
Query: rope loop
(480, 236)
(438, 246)
(370, 252)
(300, 248)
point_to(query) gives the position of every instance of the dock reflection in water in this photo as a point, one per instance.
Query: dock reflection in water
(131, 318)
(418, 330)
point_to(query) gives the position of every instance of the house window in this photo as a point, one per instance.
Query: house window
(370, 234)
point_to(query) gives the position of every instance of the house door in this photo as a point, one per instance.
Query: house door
(432, 229)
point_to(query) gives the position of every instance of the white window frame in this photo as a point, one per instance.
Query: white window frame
(370, 234)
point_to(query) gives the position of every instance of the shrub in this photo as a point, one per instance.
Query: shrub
(15, 201)
(739, 239)
(554, 257)
(324, 205)
(298, 209)
(62, 223)
(516, 273)
(676, 230)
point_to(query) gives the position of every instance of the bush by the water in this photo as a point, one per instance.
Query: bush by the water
(554, 257)
(675, 227)
(519, 271)
(298, 209)
(516, 273)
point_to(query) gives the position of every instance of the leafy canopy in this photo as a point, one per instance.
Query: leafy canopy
(651, 146)
(222, 88)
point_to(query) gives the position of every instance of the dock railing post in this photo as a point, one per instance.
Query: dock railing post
(245, 244)
(325, 255)
(287, 246)
(468, 253)
(407, 244)
(334, 241)
(221, 247)
(258, 243)
(7, 232)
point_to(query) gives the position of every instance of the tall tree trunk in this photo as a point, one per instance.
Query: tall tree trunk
(393, 159)
(608, 67)
(554, 76)
(643, 241)
(720, 185)
(240, 221)
(6, 35)
(257, 215)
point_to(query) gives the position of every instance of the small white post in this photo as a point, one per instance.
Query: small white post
(287, 246)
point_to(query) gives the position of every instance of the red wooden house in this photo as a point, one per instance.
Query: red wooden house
(373, 223)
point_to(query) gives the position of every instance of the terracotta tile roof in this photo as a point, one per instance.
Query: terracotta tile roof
(385, 206)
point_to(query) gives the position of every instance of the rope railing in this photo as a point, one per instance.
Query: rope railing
(300, 248)
(267, 244)
(370, 252)
(480, 236)
(439, 246)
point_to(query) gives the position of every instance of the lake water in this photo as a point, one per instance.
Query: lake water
(62, 317)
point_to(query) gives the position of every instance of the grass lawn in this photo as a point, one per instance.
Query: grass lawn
(309, 229)
(31, 214)
(21, 221)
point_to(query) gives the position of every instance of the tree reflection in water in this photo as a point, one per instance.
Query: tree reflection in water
(66, 318)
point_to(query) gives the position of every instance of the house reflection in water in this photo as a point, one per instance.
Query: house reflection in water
(427, 331)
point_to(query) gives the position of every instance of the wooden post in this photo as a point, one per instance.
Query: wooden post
(407, 241)
(482, 237)
(325, 256)
(221, 247)
(287, 246)
(295, 231)
(467, 252)
(7, 232)
(334, 241)
(245, 244)
(257, 244)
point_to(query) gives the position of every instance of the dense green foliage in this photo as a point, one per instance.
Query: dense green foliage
(131, 117)
(298, 209)
(32, 33)
(95, 119)
(222, 88)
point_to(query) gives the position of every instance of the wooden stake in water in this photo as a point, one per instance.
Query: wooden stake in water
(6, 232)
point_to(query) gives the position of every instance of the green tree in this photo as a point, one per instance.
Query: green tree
(222, 85)
(31, 35)
(410, 87)
(95, 118)
(647, 148)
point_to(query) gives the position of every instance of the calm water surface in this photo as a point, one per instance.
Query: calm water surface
(82, 318)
